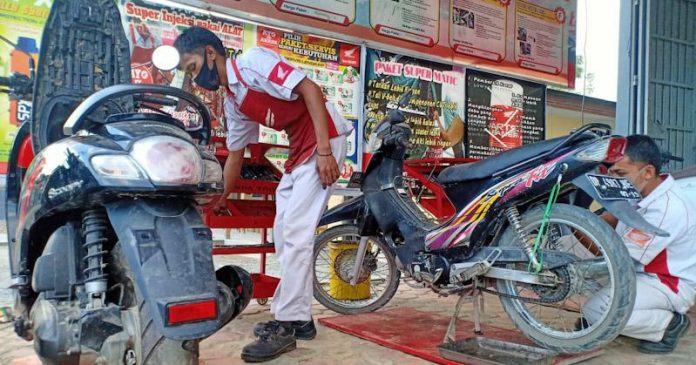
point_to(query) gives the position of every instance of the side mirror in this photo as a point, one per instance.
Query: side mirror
(165, 58)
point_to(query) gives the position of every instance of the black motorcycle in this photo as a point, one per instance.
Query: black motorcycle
(521, 231)
(110, 258)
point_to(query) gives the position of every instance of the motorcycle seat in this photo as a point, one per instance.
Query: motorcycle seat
(485, 169)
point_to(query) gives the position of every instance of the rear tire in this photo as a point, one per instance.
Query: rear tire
(148, 344)
(621, 270)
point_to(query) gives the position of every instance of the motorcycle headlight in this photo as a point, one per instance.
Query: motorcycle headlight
(213, 172)
(168, 160)
(116, 167)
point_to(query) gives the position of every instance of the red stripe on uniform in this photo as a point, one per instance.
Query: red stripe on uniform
(658, 266)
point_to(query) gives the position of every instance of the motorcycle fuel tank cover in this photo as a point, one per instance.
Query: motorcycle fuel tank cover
(84, 49)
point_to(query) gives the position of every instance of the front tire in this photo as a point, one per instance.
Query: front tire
(565, 221)
(382, 270)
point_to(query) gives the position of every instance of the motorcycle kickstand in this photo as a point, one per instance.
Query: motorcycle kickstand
(476, 298)
(359, 258)
(478, 308)
(452, 327)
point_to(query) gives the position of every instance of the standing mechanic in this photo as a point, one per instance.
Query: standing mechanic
(263, 88)
(666, 266)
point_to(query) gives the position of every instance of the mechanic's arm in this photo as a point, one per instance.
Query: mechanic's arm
(240, 133)
(314, 98)
(230, 174)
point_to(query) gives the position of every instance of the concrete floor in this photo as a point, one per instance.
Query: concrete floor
(333, 347)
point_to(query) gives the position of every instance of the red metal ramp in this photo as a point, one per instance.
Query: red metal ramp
(420, 333)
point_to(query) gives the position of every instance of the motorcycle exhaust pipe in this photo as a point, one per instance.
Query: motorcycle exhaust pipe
(235, 290)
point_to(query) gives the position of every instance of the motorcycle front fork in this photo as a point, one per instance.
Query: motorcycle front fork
(359, 258)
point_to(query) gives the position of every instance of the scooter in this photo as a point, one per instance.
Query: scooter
(521, 231)
(111, 261)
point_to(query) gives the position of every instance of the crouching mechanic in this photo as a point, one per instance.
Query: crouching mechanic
(263, 88)
(665, 266)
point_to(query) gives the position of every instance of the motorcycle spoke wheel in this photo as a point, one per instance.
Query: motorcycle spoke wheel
(553, 316)
(334, 258)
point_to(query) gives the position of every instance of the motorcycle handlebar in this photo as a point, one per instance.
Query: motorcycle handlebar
(399, 140)
(4, 81)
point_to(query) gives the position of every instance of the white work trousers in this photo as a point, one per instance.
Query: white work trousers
(300, 202)
(654, 308)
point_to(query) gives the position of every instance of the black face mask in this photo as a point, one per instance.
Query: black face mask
(208, 78)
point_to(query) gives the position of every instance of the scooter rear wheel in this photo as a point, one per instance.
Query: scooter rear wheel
(149, 346)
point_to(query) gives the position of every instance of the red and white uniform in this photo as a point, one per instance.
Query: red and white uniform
(260, 91)
(665, 266)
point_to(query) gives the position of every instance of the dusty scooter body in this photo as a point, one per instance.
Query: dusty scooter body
(110, 259)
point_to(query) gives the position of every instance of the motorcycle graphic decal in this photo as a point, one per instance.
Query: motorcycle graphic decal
(529, 178)
(466, 221)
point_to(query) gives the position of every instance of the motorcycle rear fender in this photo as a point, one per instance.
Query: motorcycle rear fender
(621, 209)
(169, 251)
(345, 211)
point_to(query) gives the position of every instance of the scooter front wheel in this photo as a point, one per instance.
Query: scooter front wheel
(335, 251)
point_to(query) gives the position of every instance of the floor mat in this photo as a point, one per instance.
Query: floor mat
(419, 333)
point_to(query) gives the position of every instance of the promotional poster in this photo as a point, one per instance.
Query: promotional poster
(429, 94)
(334, 66)
(534, 39)
(502, 113)
(148, 26)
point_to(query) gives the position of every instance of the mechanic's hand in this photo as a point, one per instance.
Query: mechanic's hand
(221, 206)
(328, 170)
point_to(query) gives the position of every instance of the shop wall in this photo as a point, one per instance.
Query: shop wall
(439, 109)
(567, 111)
(532, 38)
(560, 122)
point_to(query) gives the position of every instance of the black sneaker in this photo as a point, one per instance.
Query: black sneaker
(304, 330)
(274, 340)
(678, 327)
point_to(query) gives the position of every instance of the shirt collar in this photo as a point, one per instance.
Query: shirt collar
(665, 185)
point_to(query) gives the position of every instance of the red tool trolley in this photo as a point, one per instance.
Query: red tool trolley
(259, 179)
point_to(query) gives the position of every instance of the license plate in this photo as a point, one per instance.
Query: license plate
(613, 188)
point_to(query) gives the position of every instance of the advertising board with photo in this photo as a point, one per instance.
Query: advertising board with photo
(429, 94)
(21, 22)
(149, 25)
(481, 33)
(334, 66)
(502, 113)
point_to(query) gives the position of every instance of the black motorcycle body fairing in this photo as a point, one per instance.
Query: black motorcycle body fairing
(15, 177)
(522, 185)
(61, 179)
